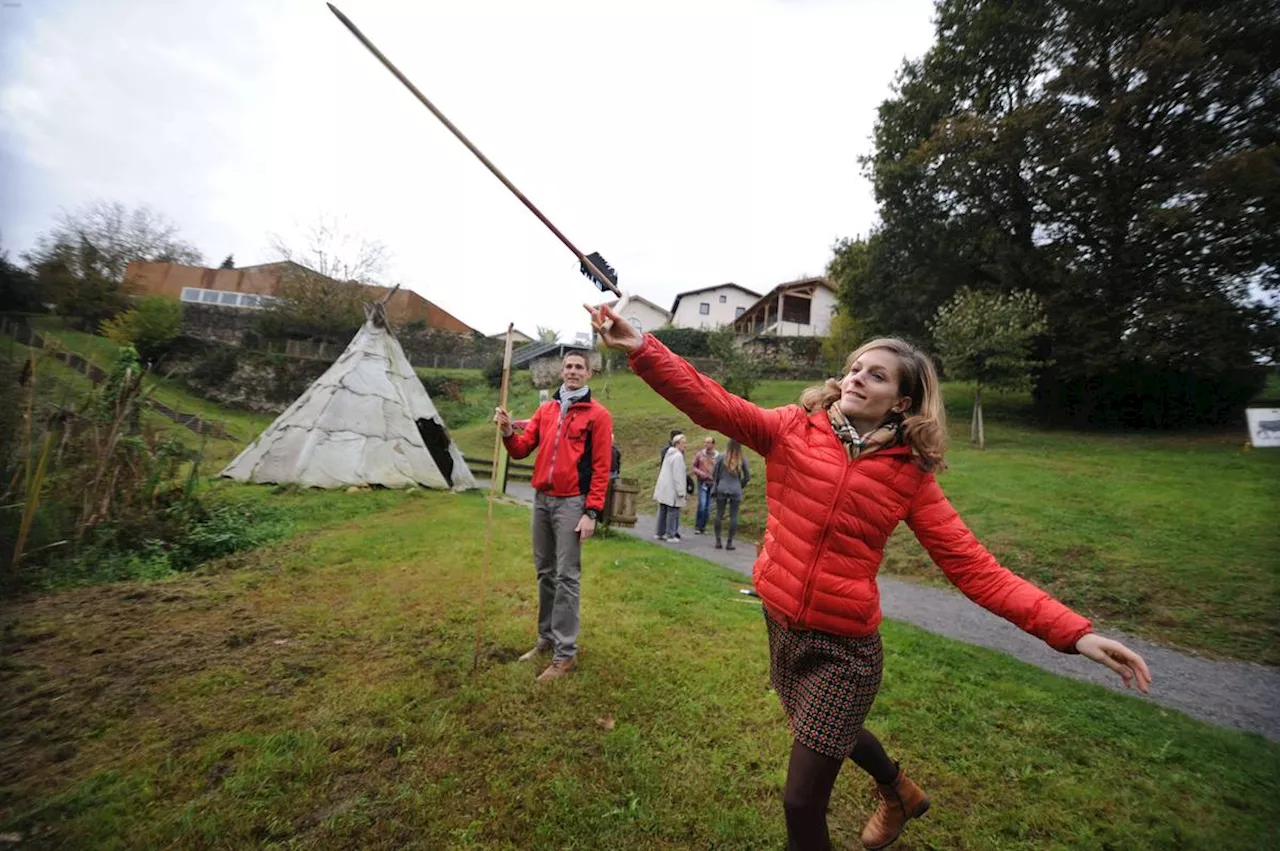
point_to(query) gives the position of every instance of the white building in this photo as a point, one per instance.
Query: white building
(711, 307)
(800, 308)
(642, 314)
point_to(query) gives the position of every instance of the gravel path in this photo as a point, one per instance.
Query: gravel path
(1240, 695)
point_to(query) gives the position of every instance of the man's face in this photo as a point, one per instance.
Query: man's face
(575, 372)
(708, 446)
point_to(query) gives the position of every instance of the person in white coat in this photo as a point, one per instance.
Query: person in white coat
(669, 492)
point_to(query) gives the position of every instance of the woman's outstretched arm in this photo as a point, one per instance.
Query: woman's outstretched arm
(674, 378)
(975, 571)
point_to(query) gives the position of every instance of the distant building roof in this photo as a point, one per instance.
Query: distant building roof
(642, 300)
(676, 304)
(533, 351)
(765, 299)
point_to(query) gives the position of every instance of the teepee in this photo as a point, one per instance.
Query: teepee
(367, 421)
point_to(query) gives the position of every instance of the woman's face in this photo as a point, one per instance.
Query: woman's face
(869, 391)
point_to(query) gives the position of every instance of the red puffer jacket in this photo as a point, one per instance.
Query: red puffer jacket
(829, 518)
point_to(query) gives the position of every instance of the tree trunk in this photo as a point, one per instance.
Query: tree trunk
(973, 419)
(982, 430)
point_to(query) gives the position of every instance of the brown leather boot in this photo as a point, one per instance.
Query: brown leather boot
(900, 801)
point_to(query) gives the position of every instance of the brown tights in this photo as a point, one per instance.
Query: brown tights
(810, 779)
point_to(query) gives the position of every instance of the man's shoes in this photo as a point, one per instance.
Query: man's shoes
(730, 546)
(556, 670)
(542, 648)
(718, 544)
(674, 537)
(699, 532)
(659, 537)
(900, 801)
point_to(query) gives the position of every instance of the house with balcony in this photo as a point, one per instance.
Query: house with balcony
(710, 308)
(800, 308)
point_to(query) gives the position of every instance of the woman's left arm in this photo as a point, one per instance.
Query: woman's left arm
(981, 578)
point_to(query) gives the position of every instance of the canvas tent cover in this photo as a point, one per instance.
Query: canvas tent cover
(366, 420)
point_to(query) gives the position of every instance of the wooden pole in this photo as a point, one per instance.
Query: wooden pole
(369, 45)
(493, 492)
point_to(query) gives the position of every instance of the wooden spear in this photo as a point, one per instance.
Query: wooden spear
(592, 265)
(493, 493)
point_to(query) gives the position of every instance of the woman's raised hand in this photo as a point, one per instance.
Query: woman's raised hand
(1105, 651)
(620, 335)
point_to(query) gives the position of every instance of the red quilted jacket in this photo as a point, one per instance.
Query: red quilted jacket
(829, 518)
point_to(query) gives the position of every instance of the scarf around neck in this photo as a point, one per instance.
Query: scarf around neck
(855, 445)
(568, 397)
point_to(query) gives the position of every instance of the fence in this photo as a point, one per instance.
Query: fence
(28, 336)
(482, 468)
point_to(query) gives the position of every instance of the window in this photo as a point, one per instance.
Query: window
(738, 311)
(724, 299)
(796, 310)
(208, 296)
(229, 298)
(191, 294)
(704, 308)
(634, 322)
(196, 295)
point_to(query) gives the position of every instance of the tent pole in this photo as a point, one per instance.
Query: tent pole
(493, 490)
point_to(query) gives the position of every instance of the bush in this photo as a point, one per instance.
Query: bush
(686, 342)
(493, 372)
(150, 326)
(1141, 395)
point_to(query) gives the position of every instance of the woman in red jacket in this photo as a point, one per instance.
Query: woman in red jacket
(843, 468)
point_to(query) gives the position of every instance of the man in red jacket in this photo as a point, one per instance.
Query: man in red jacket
(574, 437)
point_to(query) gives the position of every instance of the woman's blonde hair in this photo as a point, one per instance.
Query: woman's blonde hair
(733, 457)
(924, 424)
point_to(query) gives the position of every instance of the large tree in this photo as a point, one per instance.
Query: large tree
(79, 264)
(1119, 160)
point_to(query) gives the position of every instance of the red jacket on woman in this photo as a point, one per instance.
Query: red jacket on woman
(829, 517)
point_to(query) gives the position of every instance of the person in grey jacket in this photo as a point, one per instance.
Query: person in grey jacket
(729, 477)
(670, 491)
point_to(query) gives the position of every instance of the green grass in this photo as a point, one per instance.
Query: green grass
(320, 695)
(1168, 536)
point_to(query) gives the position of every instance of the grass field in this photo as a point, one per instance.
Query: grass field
(1169, 536)
(319, 694)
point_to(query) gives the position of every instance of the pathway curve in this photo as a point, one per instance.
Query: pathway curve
(1240, 695)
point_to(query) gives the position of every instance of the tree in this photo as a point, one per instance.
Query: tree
(844, 336)
(79, 264)
(987, 338)
(739, 370)
(332, 249)
(229, 262)
(322, 296)
(547, 335)
(17, 286)
(150, 326)
(1111, 159)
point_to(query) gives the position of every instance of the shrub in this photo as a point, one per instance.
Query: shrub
(686, 342)
(150, 326)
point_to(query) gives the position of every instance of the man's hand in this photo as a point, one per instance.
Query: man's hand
(503, 421)
(586, 528)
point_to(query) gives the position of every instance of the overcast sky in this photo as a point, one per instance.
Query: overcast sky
(691, 143)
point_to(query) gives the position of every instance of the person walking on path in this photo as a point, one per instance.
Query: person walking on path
(670, 492)
(704, 463)
(573, 436)
(728, 477)
(844, 467)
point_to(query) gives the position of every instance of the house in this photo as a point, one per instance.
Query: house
(517, 336)
(800, 308)
(255, 287)
(711, 307)
(643, 315)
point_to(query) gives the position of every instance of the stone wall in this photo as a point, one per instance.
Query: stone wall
(210, 322)
(545, 372)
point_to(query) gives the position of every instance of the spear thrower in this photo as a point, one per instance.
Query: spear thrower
(592, 265)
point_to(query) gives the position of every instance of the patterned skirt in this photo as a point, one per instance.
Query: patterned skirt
(826, 682)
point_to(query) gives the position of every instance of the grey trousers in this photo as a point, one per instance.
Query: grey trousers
(557, 555)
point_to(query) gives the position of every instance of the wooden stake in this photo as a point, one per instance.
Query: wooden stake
(493, 492)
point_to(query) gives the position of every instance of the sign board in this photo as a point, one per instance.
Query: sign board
(1264, 426)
